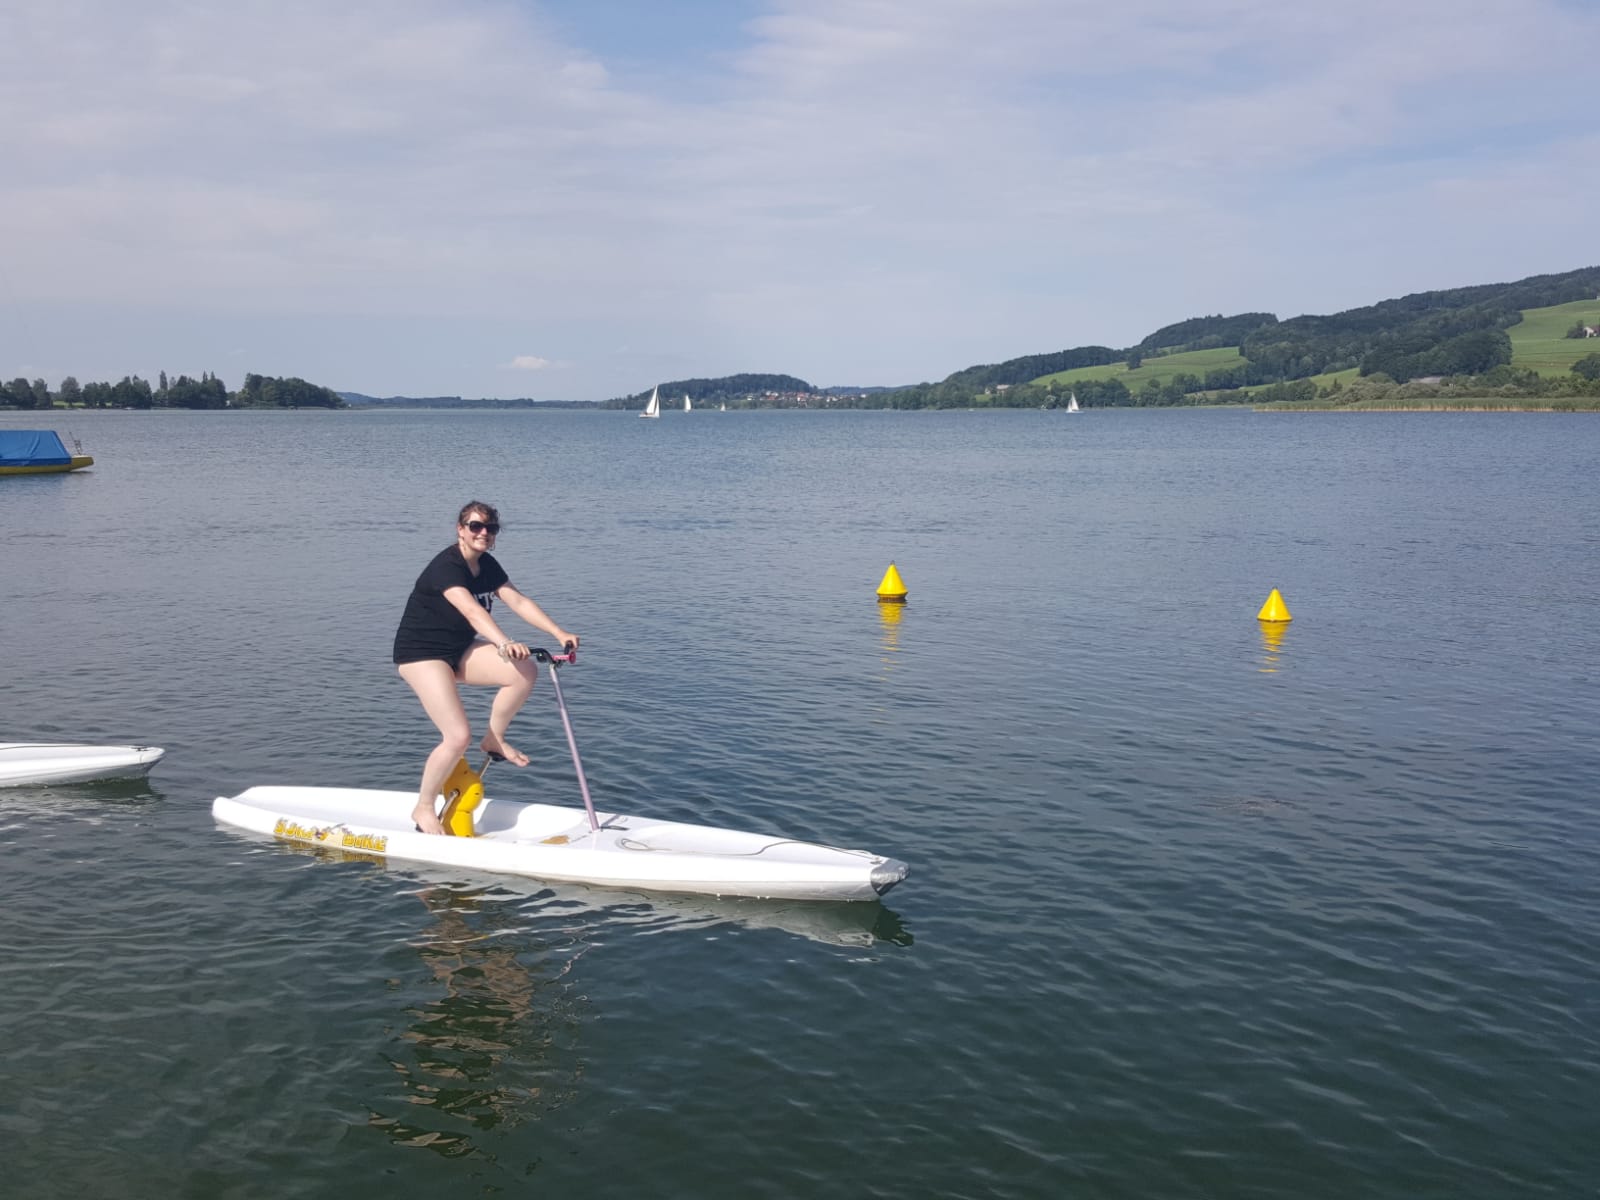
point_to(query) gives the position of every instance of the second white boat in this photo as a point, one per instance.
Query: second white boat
(25, 764)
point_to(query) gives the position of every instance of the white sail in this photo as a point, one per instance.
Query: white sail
(686, 405)
(653, 408)
(1072, 402)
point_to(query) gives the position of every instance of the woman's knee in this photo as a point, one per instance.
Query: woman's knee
(455, 740)
(516, 677)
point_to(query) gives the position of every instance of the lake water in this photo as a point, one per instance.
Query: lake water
(1198, 908)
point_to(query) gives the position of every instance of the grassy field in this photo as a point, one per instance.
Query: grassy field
(1541, 344)
(1190, 362)
(1327, 379)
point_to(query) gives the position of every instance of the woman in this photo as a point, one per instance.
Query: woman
(447, 637)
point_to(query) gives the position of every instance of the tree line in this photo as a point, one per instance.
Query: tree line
(259, 391)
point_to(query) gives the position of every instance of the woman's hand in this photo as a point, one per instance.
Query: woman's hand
(569, 641)
(512, 650)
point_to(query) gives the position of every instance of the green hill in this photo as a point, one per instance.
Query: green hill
(1540, 342)
(739, 390)
(1462, 331)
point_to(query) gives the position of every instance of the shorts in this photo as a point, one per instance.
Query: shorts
(411, 654)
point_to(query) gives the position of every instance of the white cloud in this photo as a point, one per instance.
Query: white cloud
(869, 191)
(529, 362)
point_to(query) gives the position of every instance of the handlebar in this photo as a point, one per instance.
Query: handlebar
(540, 654)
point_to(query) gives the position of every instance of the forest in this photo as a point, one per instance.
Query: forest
(258, 391)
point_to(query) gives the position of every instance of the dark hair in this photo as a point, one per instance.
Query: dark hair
(489, 511)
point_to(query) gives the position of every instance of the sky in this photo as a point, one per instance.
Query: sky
(575, 199)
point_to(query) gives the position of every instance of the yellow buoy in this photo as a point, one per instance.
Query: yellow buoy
(463, 792)
(1274, 609)
(892, 590)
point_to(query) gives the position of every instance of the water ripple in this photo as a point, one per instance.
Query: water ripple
(1194, 910)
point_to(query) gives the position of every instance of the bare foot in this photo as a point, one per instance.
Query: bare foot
(425, 819)
(501, 752)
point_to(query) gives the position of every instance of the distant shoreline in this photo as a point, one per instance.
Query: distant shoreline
(1434, 407)
(1484, 405)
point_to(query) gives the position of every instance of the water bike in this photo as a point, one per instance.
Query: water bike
(559, 844)
(31, 764)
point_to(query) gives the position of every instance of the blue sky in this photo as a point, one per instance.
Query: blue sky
(573, 200)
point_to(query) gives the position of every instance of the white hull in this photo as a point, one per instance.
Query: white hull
(547, 842)
(25, 764)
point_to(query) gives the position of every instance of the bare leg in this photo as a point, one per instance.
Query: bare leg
(435, 685)
(484, 667)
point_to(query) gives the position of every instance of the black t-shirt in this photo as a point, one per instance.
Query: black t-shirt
(432, 627)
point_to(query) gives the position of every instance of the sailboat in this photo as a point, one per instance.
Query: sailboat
(724, 407)
(1072, 403)
(687, 407)
(652, 409)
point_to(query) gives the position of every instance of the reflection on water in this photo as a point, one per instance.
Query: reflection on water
(496, 1045)
(889, 616)
(854, 924)
(492, 1049)
(1272, 635)
(85, 800)
(493, 1043)
(844, 923)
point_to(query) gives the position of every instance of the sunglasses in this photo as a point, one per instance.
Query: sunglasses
(479, 526)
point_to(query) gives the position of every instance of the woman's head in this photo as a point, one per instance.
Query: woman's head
(478, 510)
(476, 525)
